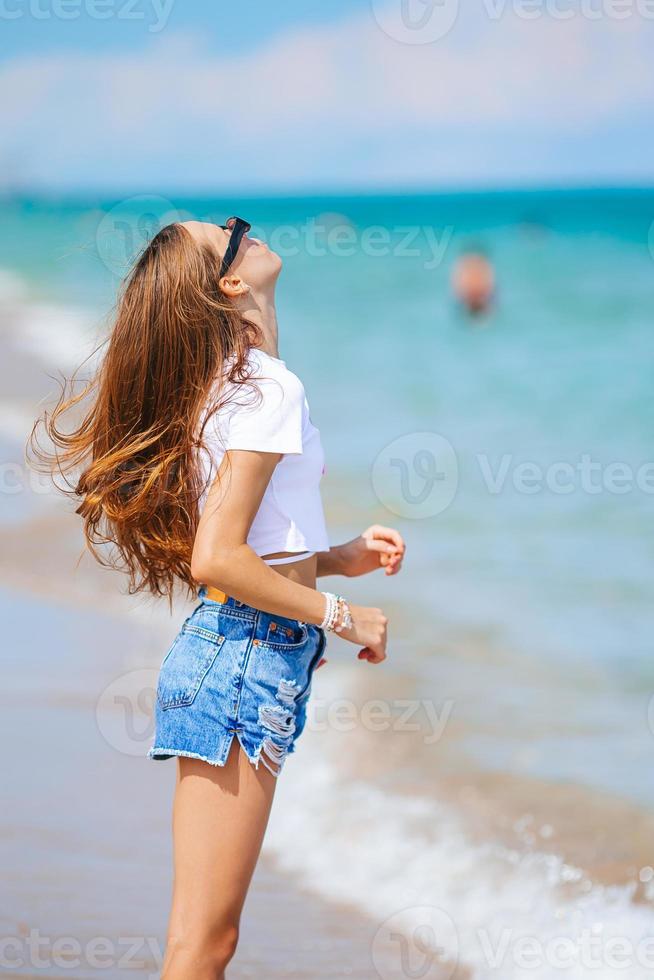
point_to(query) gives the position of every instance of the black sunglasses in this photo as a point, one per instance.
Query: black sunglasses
(238, 228)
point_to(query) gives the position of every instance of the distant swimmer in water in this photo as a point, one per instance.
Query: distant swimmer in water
(473, 282)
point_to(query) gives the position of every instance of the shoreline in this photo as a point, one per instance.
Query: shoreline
(516, 807)
(72, 869)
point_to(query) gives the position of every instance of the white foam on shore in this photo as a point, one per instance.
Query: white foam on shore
(391, 854)
(60, 337)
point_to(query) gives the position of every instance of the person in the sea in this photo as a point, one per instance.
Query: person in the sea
(473, 282)
(198, 462)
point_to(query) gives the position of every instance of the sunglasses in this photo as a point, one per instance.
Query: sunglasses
(238, 228)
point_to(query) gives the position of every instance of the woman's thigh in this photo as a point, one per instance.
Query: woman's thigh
(219, 820)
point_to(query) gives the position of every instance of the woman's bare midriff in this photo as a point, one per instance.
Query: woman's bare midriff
(303, 571)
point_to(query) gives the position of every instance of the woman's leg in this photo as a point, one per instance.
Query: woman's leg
(219, 820)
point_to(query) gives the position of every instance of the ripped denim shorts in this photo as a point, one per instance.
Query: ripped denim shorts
(235, 671)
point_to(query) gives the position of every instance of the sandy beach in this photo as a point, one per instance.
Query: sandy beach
(85, 830)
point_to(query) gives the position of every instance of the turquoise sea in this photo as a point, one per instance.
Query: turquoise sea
(514, 451)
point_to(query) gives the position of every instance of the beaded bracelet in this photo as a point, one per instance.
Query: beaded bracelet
(331, 611)
(337, 614)
(344, 616)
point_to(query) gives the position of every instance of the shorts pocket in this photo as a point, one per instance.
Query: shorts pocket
(186, 665)
(286, 635)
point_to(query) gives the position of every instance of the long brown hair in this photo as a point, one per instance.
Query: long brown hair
(135, 455)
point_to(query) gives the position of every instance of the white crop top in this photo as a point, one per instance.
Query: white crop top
(290, 517)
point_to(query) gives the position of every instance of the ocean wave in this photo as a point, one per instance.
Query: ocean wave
(60, 337)
(409, 864)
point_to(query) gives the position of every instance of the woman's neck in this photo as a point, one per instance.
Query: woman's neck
(260, 310)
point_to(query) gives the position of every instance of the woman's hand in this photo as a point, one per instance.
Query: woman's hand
(377, 547)
(368, 631)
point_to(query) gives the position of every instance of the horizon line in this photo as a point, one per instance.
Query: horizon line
(304, 193)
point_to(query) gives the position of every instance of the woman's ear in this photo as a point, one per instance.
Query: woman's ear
(233, 286)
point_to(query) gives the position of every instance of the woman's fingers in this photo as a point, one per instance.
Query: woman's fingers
(371, 656)
(389, 534)
(389, 544)
(382, 546)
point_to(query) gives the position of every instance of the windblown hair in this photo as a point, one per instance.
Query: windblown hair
(134, 460)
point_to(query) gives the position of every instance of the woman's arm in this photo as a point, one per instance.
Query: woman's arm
(377, 547)
(223, 559)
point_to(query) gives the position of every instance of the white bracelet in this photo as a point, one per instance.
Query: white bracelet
(337, 613)
(331, 611)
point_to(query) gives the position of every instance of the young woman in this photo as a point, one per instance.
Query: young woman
(197, 463)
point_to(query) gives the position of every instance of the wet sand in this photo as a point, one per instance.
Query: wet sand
(85, 835)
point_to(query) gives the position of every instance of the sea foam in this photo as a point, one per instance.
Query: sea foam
(406, 860)
(60, 337)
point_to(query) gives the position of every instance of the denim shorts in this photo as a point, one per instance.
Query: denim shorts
(235, 671)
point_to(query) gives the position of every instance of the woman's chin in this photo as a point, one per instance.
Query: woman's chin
(276, 262)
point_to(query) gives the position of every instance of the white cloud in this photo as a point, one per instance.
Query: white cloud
(345, 100)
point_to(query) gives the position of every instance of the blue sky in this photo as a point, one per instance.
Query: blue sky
(238, 27)
(192, 95)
